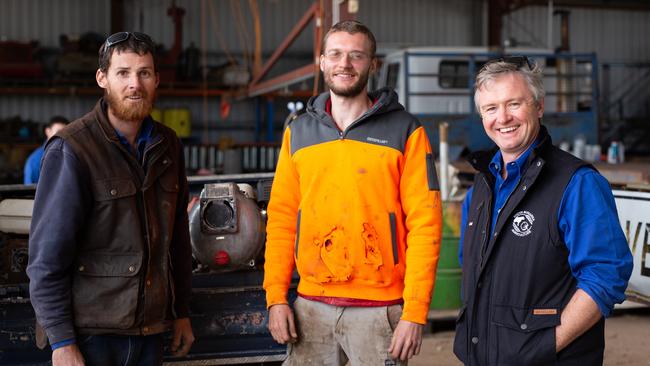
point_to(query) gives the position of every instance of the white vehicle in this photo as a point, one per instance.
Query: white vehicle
(634, 214)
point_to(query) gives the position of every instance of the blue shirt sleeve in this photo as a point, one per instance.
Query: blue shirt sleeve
(60, 208)
(33, 166)
(599, 256)
(463, 222)
(64, 343)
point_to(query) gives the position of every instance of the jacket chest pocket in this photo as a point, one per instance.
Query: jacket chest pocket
(105, 289)
(114, 220)
(524, 336)
(107, 190)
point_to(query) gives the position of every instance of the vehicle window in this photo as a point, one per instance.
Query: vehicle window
(392, 74)
(454, 74)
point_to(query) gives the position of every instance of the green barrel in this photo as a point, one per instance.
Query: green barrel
(446, 293)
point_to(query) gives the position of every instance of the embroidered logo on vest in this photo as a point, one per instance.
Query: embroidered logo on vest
(522, 223)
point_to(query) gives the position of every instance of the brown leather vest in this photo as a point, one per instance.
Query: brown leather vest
(122, 279)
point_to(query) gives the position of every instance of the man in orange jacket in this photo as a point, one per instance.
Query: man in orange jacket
(355, 206)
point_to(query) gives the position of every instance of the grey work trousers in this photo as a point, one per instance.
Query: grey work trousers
(333, 335)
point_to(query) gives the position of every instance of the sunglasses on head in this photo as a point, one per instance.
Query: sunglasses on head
(519, 61)
(120, 37)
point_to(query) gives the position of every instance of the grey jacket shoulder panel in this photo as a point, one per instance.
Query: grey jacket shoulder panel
(386, 123)
(307, 131)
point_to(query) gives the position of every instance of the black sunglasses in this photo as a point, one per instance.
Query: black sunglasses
(519, 61)
(120, 37)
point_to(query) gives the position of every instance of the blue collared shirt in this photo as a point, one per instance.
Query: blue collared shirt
(599, 256)
(141, 141)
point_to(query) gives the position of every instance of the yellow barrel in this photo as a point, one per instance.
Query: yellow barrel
(157, 115)
(179, 120)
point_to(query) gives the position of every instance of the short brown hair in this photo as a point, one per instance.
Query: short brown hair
(352, 27)
(136, 42)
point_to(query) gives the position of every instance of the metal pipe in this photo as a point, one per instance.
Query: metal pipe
(549, 26)
(336, 13)
(444, 161)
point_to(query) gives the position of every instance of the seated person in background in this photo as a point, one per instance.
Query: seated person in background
(33, 162)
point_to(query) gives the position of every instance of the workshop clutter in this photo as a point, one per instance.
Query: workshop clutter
(229, 158)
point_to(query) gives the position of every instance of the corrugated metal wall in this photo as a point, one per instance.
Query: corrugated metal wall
(618, 37)
(424, 22)
(228, 23)
(227, 27)
(45, 20)
(615, 35)
(405, 22)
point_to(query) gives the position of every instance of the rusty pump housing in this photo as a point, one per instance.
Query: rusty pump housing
(227, 227)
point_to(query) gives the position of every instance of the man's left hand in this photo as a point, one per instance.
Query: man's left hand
(407, 339)
(183, 337)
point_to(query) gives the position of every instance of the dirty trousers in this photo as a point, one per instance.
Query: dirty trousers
(333, 335)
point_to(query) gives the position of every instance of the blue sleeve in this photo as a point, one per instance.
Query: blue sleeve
(27, 172)
(60, 206)
(463, 222)
(32, 167)
(63, 343)
(599, 256)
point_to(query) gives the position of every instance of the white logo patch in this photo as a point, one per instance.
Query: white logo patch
(377, 141)
(522, 223)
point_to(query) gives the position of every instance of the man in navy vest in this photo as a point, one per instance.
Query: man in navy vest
(544, 257)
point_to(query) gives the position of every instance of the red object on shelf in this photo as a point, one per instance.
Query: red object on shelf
(16, 60)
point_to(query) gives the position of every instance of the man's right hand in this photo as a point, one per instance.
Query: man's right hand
(282, 324)
(67, 356)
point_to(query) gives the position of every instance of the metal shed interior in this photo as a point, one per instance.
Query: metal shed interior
(215, 51)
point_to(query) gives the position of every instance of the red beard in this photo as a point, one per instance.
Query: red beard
(129, 110)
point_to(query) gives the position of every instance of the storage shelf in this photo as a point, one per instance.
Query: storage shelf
(96, 91)
(163, 90)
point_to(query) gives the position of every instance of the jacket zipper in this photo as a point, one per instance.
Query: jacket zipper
(147, 242)
(356, 122)
(486, 227)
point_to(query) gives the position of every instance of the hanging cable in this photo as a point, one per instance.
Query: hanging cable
(239, 26)
(219, 34)
(257, 55)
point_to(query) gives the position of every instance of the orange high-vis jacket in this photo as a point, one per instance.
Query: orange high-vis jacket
(357, 211)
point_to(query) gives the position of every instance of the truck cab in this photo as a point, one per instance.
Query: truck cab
(436, 84)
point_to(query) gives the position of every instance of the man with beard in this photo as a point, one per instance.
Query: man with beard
(355, 206)
(109, 249)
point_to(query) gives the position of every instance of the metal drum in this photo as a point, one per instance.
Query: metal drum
(227, 227)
